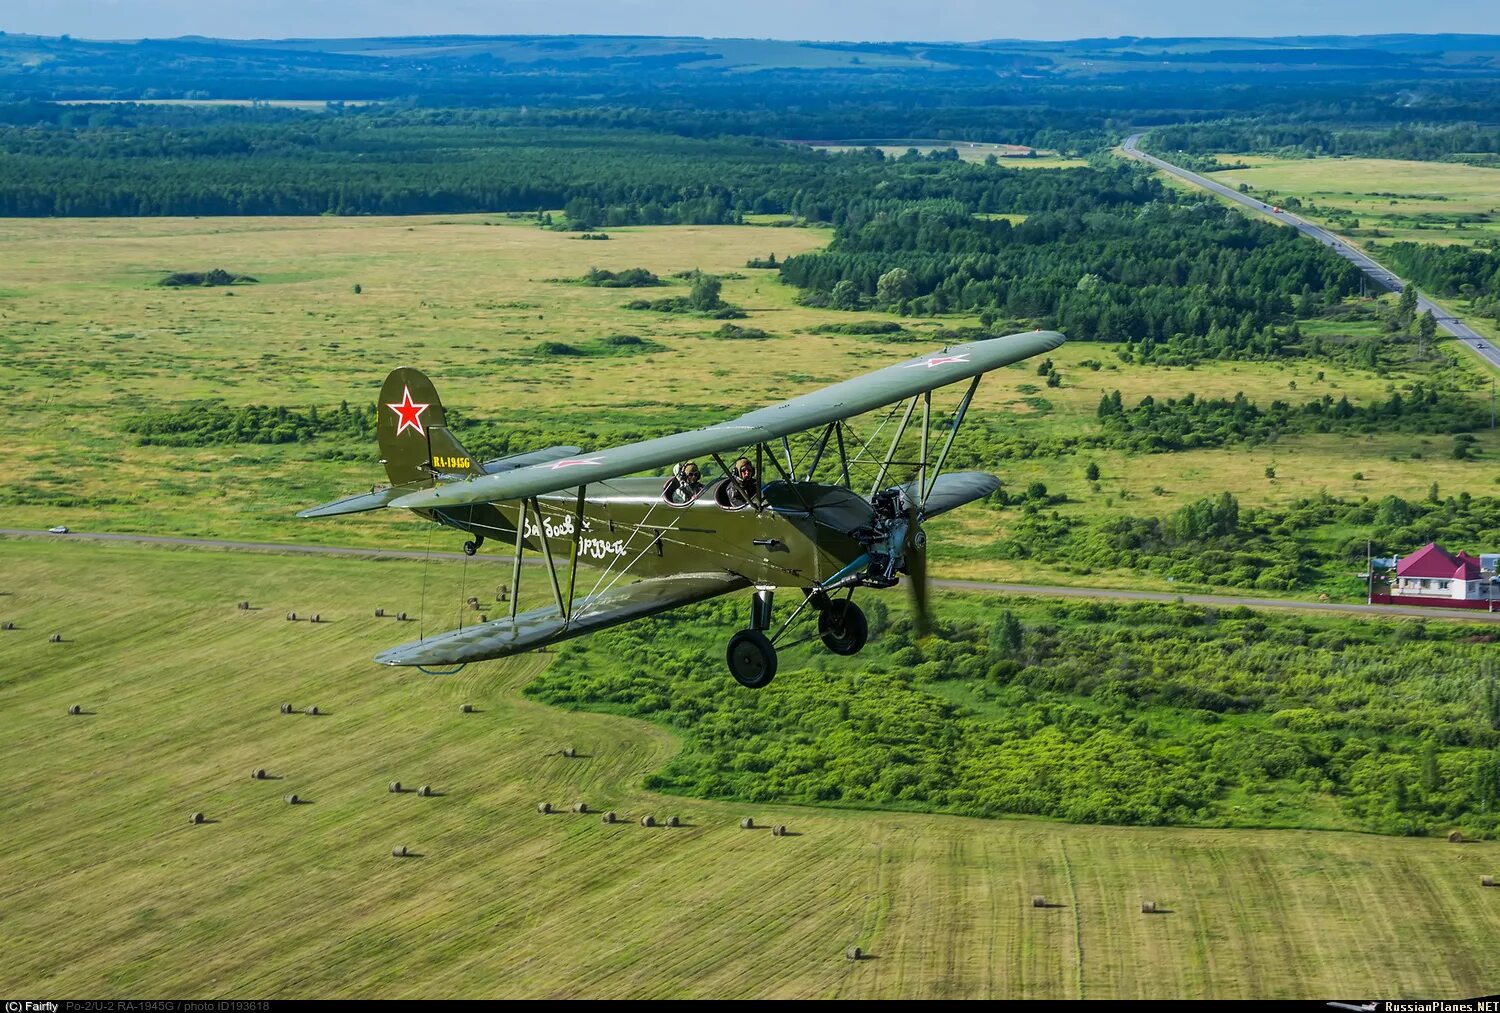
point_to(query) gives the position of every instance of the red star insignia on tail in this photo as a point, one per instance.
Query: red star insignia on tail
(408, 413)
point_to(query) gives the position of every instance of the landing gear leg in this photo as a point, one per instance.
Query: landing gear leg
(751, 655)
(472, 546)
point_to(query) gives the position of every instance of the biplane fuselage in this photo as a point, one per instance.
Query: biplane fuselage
(774, 522)
(794, 535)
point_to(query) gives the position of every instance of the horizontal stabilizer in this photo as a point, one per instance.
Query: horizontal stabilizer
(538, 627)
(356, 504)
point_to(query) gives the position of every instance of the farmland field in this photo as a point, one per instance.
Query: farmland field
(110, 889)
(1425, 202)
(92, 343)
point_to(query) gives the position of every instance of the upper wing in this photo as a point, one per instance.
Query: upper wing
(840, 401)
(528, 630)
(515, 461)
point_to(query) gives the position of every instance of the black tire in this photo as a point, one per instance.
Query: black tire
(751, 659)
(843, 627)
(470, 548)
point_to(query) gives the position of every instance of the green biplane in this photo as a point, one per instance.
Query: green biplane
(685, 540)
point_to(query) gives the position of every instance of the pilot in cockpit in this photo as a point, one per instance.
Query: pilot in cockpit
(685, 484)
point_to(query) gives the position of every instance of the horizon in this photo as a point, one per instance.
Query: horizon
(1103, 39)
(951, 21)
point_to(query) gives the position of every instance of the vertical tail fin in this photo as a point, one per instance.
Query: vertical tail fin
(415, 441)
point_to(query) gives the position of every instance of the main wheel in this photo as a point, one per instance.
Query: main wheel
(470, 548)
(843, 627)
(752, 658)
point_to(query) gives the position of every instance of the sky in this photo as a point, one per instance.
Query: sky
(866, 20)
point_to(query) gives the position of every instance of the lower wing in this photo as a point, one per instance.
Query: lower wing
(539, 627)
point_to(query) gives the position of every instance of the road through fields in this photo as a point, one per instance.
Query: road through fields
(966, 586)
(1387, 280)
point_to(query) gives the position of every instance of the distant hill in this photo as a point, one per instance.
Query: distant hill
(518, 67)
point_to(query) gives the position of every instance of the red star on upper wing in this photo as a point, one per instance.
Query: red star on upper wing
(573, 461)
(408, 413)
(939, 360)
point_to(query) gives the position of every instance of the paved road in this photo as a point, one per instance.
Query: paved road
(1385, 279)
(971, 586)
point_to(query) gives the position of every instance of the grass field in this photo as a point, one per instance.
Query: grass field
(89, 341)
(109, 890)
(1425, 202)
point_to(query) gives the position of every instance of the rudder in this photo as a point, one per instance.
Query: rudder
(409, 410)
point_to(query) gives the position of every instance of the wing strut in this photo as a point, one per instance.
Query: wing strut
(515, 577)
(577, 541)
(541, 534)
(958, 420)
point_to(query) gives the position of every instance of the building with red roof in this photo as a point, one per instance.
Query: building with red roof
(1434, 576)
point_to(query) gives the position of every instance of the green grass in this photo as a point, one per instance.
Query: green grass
(1425, 202)
(90, 342)
(108, 889)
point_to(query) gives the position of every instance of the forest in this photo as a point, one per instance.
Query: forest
(1089, 712)
(403, 165)
(1293, 137)
(1307, 543)
(1123, 261)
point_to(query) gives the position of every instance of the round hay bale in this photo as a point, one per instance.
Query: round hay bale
(1486, 880)
(673, 821)
(609, 817)
(286, 708)
(242, 605)
(854, 953)
(473, 603)
(483, 618)
(75, 710)
(1456, 837)
(400, 617)
(291, 800)
(467, 708)
(544, 807)
(399, 852)
(569, 751)
(779, 830)
(7, 625)
(648, 820)
(1148, 907)
(195, 818)
(1039, 901)
(291, 617)
(258, 774)
(748, 823)
(580, 807)
(395, 787)
(380, 613)
(425, 791)
(56, 638)
(317, 617)
(313, 710)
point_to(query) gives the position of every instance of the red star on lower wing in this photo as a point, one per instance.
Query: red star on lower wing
(408, 413)
(573, 462)
(939, 360)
